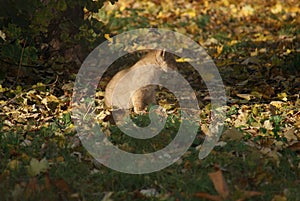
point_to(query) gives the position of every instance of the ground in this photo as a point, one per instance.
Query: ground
(254, 44)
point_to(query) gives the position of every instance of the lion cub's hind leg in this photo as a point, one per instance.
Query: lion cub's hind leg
(143, 97)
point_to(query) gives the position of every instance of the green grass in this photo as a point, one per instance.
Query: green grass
(73, 174)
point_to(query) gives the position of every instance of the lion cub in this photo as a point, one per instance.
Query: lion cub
(131, 84)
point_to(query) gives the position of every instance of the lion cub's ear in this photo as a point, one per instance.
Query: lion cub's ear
(166, 60)
(163, 53)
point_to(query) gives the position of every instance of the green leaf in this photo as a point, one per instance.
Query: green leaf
(36, 167)
(61, 5)
(11, 51)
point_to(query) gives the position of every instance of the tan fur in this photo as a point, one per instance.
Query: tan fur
(155, 61)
